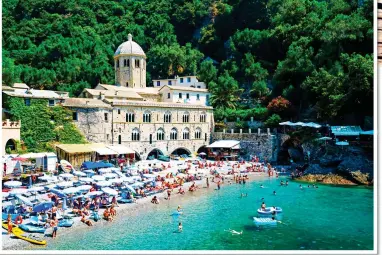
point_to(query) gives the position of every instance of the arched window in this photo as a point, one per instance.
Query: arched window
(119, 139)
(127, 62)
(135, 134)
(198, 133)
(186, 117)
(147, 117)
(117, 63)
(203, 117)
(186, 134)
(167, 117)
(160, 134)
(130, 117)
(174, 134)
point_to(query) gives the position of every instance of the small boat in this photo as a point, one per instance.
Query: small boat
(22, 235)
(264, 221)
(32, 228)
(270, 210)
(66, 223)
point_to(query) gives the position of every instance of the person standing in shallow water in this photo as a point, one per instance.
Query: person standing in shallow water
(208, 183)
(218, 185)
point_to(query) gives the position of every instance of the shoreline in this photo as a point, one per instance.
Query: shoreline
(12, 243)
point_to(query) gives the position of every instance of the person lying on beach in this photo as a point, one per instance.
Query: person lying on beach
(86, 221)
(155, 200)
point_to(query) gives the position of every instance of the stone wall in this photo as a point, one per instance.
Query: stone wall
(263, 145)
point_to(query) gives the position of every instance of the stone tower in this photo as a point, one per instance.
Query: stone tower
(130, 65)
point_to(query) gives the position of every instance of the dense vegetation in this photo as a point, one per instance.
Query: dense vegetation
(42, 126)
(313, 56)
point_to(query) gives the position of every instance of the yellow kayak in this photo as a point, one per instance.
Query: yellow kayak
(22, 235)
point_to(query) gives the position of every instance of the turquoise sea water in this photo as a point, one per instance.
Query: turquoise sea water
(327, 218)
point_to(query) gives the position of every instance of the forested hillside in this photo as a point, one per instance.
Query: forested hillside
(269, 59)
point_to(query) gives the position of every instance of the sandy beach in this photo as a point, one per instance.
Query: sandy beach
(124, 210)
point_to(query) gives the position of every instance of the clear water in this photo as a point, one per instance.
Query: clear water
(327, 218)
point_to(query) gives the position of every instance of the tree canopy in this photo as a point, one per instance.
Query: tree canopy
(316, 54)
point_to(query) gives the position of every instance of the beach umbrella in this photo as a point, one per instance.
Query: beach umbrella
(89, 171)
(110, 192)
(86, 179)
(104, 183)
(45, 178)
(84, 187)
(129, 179)
(18, 191)
(12, 184)
(45, 206)
(94, 193)
(35, 189)
(79, 173)
(64, 184)
(24, 200)
(118, 180)
(71, 190)
(57, 192)
(98, 178)
(110, 175)
(66, 175)
(105, 170)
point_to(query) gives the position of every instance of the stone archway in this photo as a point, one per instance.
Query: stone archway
(10, 145)
(180, 151)
(202, 149)
(155, 153)
(290, 149)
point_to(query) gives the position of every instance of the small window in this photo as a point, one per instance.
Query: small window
(151, 138)
(75, 116)
(127, 84)
(205, 137)
(147, 117)
(188, 96)
(188, 79)
(117, 63)
(181, 80)
(180, 95)
(106, 117)
(207, 99)
(51, 102)
(169, 82)
(137, 63)
(135, 135)
(124, 62)
(198, 87)
(168, 95)
(197, 97)
(119, 111)
(127, 62)
(119, 139)
(158, 83)
(27, 102)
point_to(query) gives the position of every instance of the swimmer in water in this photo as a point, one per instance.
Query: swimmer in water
(300, 186)
(178, 209)
(234, 232)
(180, 227)
(286, 183)
(261, 186)
(274, 192)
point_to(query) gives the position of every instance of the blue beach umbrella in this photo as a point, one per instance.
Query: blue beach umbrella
(43, 207)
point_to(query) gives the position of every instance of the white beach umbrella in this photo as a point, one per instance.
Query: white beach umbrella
(45, 178)
(104, 183)
(89, 171)
(110, 175)
(98, 177)
(66, 175)
(35, 189)
(71, 190)
(105, 170)
(18, 191)
(84, 187)
(110, 192)
(86, 179)
(129, 179)
(13, 184)
(79, 173)
(137, 184)
(118, 180)
(64, 184)
(94, 193)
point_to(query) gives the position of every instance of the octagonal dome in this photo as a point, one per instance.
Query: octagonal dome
(130, 47)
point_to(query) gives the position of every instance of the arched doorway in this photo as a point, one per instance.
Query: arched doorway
(10, 145)
(203, 149)
(181, 151)
(155, 153)
(290, 150)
